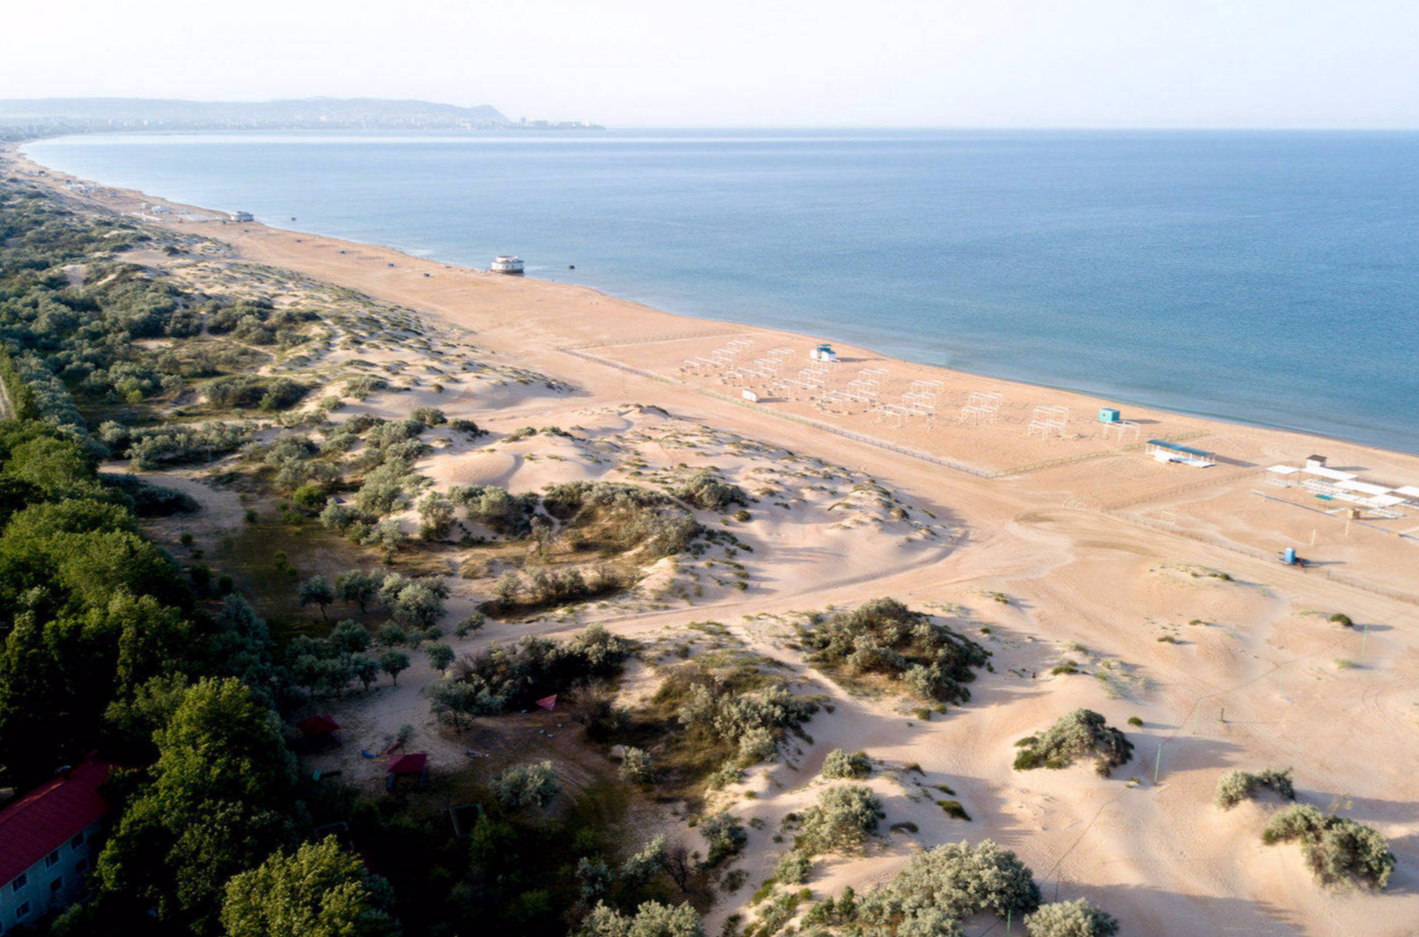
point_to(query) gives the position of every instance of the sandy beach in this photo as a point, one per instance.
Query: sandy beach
(1159, 580)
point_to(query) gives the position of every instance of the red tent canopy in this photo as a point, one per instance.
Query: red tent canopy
(548, 703)
(409, 764)
(317, 725)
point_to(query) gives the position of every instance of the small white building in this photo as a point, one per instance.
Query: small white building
(242, 216)
(48, 843)
(507, 263)
(823, 352)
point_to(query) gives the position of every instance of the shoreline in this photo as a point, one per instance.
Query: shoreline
(14, 154)
(1172, 399)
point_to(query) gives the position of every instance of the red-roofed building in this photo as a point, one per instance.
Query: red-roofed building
(48, 840)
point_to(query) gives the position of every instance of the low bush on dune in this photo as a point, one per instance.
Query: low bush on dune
(617, 518)
(939, 888)
(1070, 919)
(545, 588)
(1337, 849)
(753, 722)
(1237, 786)
(249, 392)
(1080, 733)
(843, 820)
(885, 638)
(705, 490)
(506, 514)
(843, 764)
(707, 722)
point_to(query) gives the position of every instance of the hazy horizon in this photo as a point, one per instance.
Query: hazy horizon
(970, 64)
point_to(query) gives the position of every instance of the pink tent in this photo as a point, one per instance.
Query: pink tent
(548, 703)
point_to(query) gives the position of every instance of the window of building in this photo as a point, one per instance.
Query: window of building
(51, 859)
(77, 841)
(22, 912)
(55, 885)
(81, 866)
(20, 881)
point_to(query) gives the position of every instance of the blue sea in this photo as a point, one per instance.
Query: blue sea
(1262, 277)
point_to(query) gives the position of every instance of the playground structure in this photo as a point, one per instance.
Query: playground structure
(1124, 427)
(1048, 420)
(982, 407)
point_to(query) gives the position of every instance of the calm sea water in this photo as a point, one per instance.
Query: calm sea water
(1262, 277)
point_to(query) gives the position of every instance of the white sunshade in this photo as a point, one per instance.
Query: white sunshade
(1331, 474)
(1365, 488)
(1409, 490)
(1384, 501)
(1284, 469)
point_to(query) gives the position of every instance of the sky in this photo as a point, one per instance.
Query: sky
(740, 63)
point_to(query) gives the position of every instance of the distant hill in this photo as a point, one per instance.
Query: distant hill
(302, 113)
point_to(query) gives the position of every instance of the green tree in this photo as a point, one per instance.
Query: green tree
(217, 804)
(317, 591)
(349, 637)
(440, 655)
(393, 663)
(357, 586)
(320, 891)
(365, 669)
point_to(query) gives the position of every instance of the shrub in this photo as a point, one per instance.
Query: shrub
(1081, 732)
(793, 868)
(884, 637)
(503, 513)
(725, 835)
(651, 919)
(705, 490)
(636, 766)
(843, 820)
(942, 886)
(247, 392)
(1342, 620)
(526, 786)
(1070, 919)
(1337, 849)
(1236, 786)
(625, 517)
(843, 764)
(753, 722)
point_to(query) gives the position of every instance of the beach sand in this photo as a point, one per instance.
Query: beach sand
(1101, 554)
